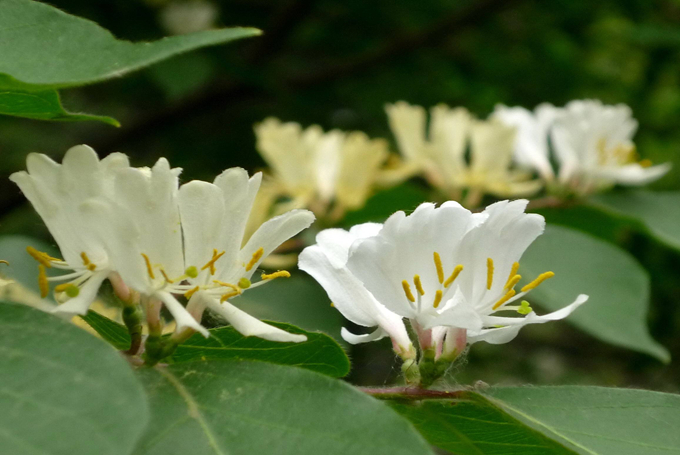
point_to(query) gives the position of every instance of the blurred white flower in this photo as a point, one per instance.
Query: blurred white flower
(446, 269)
(438, 152)
(56, 192)
(593, 144)
(182, 17)
(533, 128)
(316, 168)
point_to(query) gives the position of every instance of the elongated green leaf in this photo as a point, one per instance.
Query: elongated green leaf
(113, 332)
(471, 425)
(63, 391)
(319, 353)
(45, 49)
(659, 212)
(617, 285)
(598, 420)
(225, 407)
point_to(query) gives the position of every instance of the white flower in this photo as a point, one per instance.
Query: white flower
(533, 128)
(214, 218)
(327, 263)
(56, 192)
(439, 152)
(315, 168)
(593, 143)
(446, 269)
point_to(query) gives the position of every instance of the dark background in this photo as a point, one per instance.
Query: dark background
(336, 63)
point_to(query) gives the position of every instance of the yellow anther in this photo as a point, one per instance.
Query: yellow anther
(454, 275)
(513, 272)
(440, 268)
(279, 274)
(645, 163)
(229, 295)
(43, 258)
(87, 263)
(256, 257)
(211, 263)
(191, 292)
(419, 284)
(508, 295)
(165, 275)
(43, 284)
(332, 305)
(4, 262)
(407, 291)
(70, 289)
(489, 273)
(437, 298)
(540, 279)
(244, 283)
(228, 285)
(191, 271)
(511, 283)
(149, 269)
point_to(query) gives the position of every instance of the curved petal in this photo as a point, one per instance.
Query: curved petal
(182, 317)
(633, 174)
(352, 338)
(248, 325)
(88, 293)
(533, 318)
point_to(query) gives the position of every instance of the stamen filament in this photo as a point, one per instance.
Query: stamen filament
(437, 298)
(508, 295)
(540, 279)
(149, 269)
(440, 268)
(419, 284)
(256, 257)
(167, 278)
(211, 263)
(279, 274)
(43, 284)
(228, 285)
(454, 275)
(489, 273)
(191, 292)
(512, 282)
(407, 291)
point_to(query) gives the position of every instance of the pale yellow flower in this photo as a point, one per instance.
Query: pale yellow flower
(328, 172)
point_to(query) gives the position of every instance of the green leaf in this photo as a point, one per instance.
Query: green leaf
(63, 391)
(319, 353)
(598, 420)
(617, 285)
(471, 425)
(550, 421)
(45, 49)
(111, 331)
(658, 212)
(226, 407)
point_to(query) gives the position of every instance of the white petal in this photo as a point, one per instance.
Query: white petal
(247, 325)
(88, 293)
(352, 338)
(457, 312)
(533, 318)
(633, 174)
(182, 317)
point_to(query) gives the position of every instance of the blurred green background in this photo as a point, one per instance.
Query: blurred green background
(336, 63)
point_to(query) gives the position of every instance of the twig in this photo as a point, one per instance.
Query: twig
(412, 393)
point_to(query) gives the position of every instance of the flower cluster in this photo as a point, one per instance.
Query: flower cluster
(153, 239)
(451, 273)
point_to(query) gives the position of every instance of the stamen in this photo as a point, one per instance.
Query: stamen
(437, 298)
(43, 284)
(244, 283)
(43, 258)
(4, 262)
(407, 291)
(191, 271)
(540, 279)
(513, 272)
(165, 275)
(191, 292)
(645, 163)
(512, 282)
(524, 308)
(149, 269)
(489, 273)
(211, 263)
(228, 285)
(419, 285)
(454, 275)
(87, 263)
(229, 295)
(256, 257)
(332, 305)
(508, 295)
(279, 274)
(70, 289)
(438, 265)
